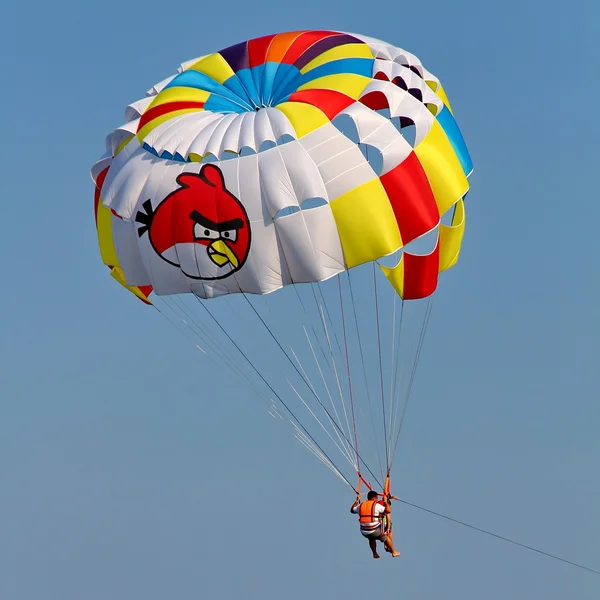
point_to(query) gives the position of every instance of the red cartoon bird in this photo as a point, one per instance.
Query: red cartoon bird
(200, 227)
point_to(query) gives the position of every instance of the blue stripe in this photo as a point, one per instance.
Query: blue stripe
(450, 127)
(247, 80)
(268, 80)
(150, 149)
(235, 85)
(164, 154)
(288, 77)
(200, 81)
(217, 103)
(257, 77)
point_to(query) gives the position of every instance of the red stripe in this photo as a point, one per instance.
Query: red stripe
(375, 100)
(257, 50)
(99, 182)
(168, 107)
(421, 274)
(410, 195)
(329, 102)
(146, 290)
(302, 43)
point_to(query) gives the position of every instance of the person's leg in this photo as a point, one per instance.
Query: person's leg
(389, 545)
(373, 546)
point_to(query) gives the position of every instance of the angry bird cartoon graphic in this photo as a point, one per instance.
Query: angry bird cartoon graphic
(200, 227)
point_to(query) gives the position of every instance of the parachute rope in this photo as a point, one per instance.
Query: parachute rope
(299, 374)
(385, 435)
(346, 454)
(398, 361)
(392, 363)
(414, 370)
(497, 536)
(326, 311)
(395, 392)
(337, 377)
(348, 370)
(182, 312)
(269, 385)
(319, 310)
(326, 388)
(303, 378)
(301, 437)
(202, 333)
(244, 377)
(362, 359)
(347, 451)
(312, 326)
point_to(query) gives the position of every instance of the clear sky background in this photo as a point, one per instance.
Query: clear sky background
(130, 469)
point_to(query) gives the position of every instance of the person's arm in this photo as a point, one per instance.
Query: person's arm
(388, 505)
(355, 505)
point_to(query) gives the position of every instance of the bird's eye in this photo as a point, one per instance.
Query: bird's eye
(229, 234)
(203, 233)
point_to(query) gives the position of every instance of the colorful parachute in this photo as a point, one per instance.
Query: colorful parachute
(297, 158)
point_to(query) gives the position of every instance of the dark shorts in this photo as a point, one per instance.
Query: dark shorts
(376, 534)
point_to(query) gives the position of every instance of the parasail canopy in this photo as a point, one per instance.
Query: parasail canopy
(292, 159)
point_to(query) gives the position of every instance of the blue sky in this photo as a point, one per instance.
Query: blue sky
(130, 469)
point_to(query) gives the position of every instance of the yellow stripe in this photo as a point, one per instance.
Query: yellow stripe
(123, 144)
(348, 83)
(215, 66)
(118, 274)
(179, 94)
(108, 251)
(441, 94)
(344, 51)
(148, 127)
(105, 236)
(197, 61)
(442, 166)
(303, 117)
(432, 108)
(395, 276)
(366, 223)
(451, 238)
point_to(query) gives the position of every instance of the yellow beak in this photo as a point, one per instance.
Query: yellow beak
(220, 253)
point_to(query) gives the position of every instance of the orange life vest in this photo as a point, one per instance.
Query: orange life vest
(366, 511)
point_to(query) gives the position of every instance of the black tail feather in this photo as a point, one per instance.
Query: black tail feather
(145, 217)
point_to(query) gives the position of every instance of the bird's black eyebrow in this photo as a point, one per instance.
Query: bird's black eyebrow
(206, 222)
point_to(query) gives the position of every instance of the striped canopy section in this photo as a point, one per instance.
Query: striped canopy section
(282, 160)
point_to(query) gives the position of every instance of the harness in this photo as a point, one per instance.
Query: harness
(366, 509)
